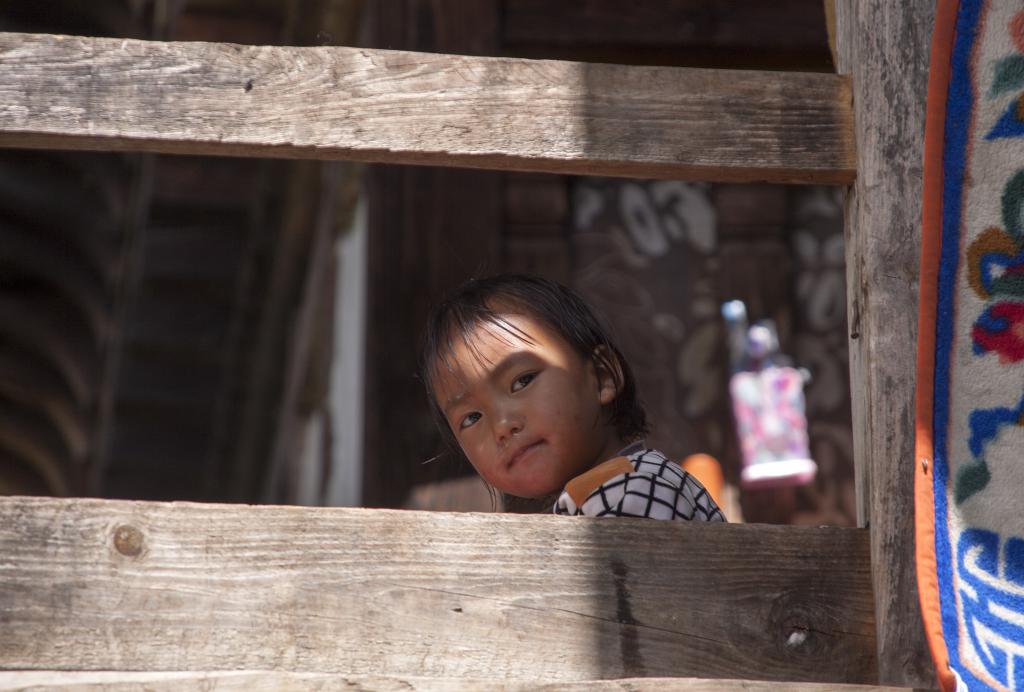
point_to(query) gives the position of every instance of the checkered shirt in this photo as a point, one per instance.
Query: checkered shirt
(643, 484)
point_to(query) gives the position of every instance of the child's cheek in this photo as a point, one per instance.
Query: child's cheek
(474, 446)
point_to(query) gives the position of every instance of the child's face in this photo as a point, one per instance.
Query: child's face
(527, 413)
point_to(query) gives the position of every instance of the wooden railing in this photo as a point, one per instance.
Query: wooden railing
(142, 586)
(72, 92)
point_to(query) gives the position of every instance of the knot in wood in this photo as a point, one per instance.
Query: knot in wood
(797, 637)
(802, 628)
(128, 540)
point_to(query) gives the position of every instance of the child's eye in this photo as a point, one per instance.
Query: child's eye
(522, 381)
(469, 420)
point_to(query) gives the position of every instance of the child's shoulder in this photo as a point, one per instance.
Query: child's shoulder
(636, 459)
(654, 462)
(641, 482)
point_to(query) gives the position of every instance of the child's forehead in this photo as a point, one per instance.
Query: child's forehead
(491, 336)
(473, 349)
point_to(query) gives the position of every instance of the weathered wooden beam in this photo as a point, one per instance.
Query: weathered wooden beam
(884, 46)
(276, 681)
(108, 585)
(66, 92)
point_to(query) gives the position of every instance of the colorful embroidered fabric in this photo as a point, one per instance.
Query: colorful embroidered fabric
(969, 464)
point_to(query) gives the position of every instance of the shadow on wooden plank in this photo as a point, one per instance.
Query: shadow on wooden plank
(108, 585)
(425, 108)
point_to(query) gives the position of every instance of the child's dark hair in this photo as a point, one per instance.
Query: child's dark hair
(478, 301)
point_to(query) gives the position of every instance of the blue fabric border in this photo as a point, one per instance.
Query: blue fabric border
(959, 111)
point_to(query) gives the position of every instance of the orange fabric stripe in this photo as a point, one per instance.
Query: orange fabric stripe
(706, 469)
(580, 487)
(931, 246)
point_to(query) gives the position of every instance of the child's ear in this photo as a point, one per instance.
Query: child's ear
(609, 374)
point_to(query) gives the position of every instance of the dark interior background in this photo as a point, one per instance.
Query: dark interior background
(168, 327)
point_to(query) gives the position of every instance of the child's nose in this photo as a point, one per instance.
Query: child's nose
(507, 426)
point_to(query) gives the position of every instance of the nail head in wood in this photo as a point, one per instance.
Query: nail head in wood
(128, 540)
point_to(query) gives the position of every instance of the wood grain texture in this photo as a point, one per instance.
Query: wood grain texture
(884, 46)
(273, 681)
(419, 108)
(109, 585)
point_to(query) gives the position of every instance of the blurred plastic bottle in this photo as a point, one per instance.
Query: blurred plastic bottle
(768, 404)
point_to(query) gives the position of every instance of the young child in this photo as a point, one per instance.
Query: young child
(524, 380)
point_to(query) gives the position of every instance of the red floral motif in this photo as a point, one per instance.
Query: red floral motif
(1000, 329)
(1017, 31)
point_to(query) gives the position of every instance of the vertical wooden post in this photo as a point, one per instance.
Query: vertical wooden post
(884, 46)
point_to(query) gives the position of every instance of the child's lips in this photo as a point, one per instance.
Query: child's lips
(522, 452)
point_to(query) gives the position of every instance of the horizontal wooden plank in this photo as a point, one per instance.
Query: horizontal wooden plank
(274, 681)
(422, 108)
(108, 585)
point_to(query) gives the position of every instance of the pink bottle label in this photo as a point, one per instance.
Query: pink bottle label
(769, 408)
